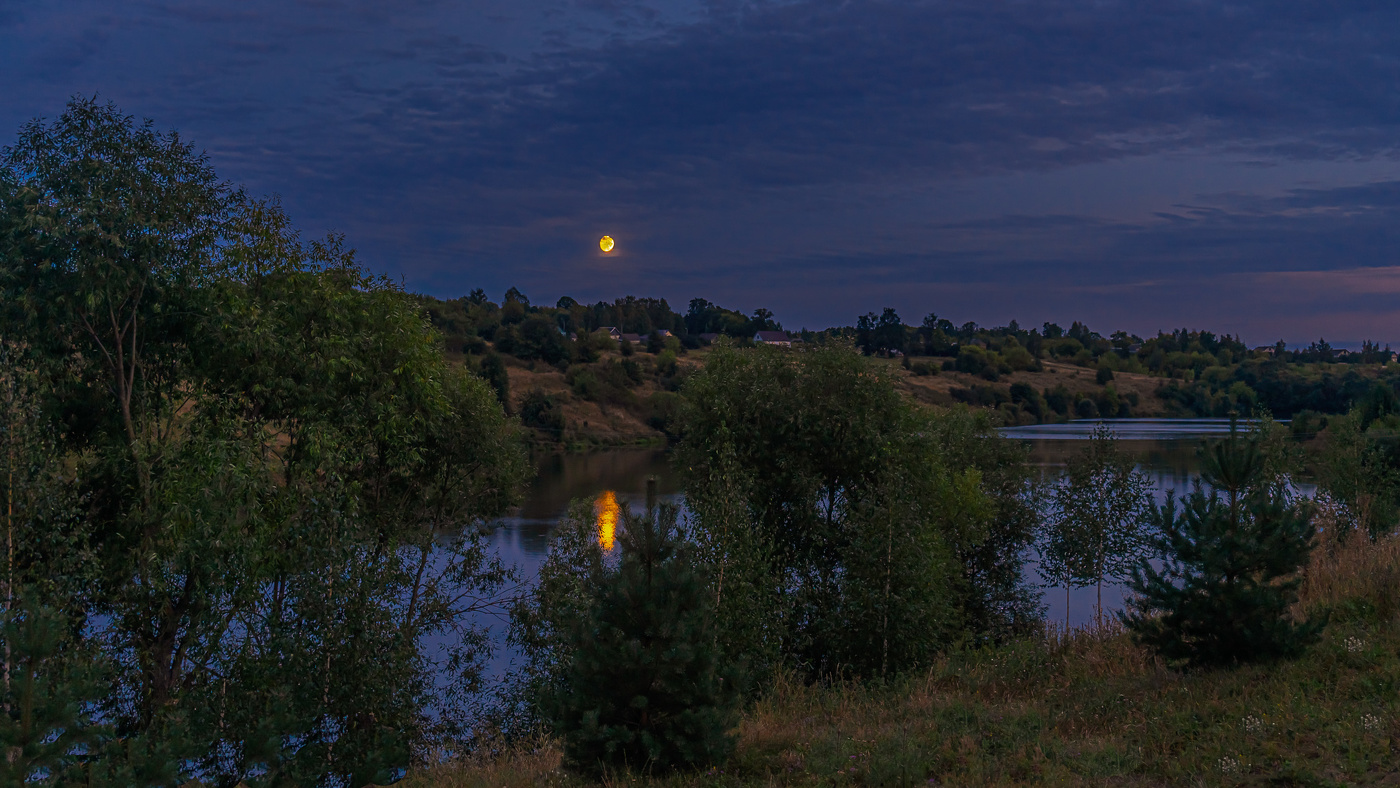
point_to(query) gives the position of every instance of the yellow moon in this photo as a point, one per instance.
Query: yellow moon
(606, 244)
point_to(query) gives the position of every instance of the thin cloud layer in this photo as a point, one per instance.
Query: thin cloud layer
(1121, 162)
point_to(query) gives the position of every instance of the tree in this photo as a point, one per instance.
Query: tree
(889, 332)
(266, 460)
(762, 320)
(1098, 529)
(493, 371)
(646, 688)
(1359, 468)
(115, 224)
(1230, 572)
(46, 727)
(803, 449)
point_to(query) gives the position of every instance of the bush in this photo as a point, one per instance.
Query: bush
(584, 383)
(666, 363)
(1229, 578)
(645, 689)
(663, 411)
(1086, 409)
(923, 369)
(1058, 399)
(493, 369)
(1103, 376)
(1029, 399)
(540, 411)
(1018, 358)
(973, 360)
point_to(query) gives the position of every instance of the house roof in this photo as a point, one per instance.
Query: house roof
(772, 336)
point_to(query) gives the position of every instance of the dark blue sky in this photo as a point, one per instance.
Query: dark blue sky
(1136, 164)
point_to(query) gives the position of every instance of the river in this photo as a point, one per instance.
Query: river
(1164, 448)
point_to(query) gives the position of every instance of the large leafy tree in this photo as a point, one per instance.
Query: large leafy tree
(814, 454)
(112, 228)
(273, 450)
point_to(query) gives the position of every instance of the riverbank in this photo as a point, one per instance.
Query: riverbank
(1090, 708)
(629, 401)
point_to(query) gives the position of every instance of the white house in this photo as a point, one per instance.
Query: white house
(779, 338)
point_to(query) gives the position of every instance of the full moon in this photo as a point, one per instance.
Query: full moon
(606, 244)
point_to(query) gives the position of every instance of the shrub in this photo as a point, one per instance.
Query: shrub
(1017, 357)
(539, 411)
(493, 369)
(585, 384)
(663, 410)
(1103, 376)
(1231, 558)
(1086, 409)
(666, 363)
(645, 688)
(972, 359)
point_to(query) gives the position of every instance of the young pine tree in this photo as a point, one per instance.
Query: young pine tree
(46, 731)
(1229, 575)
(645, 688)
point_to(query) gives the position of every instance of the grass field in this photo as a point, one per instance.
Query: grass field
(1083, 708)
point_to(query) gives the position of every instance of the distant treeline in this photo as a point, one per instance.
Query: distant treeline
(533, 331)
(1205, 374)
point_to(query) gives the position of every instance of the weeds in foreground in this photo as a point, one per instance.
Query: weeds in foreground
(1075, 708)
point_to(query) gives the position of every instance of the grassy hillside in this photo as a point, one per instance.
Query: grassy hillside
(1088, 708)
(634, 412)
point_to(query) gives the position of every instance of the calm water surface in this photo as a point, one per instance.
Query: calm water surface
(1164, 448)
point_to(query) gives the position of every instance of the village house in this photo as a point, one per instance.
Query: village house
(779, 338)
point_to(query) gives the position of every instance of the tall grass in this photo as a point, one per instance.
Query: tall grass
(1086, 707)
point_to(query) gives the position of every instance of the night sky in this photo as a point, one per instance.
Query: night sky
(1140, 165)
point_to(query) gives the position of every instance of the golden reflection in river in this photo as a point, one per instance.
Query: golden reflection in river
(606, 507)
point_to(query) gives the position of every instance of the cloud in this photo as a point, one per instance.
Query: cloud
(1114, 157)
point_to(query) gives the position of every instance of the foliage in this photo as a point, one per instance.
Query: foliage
(1097, 530)
(1087, 709)
(646, 687)
(540, 411)
(268, 448)
(493, 371)
(1359, 467)
(815, 453)
(544, 621)
(1230, 567)
(46, 725)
